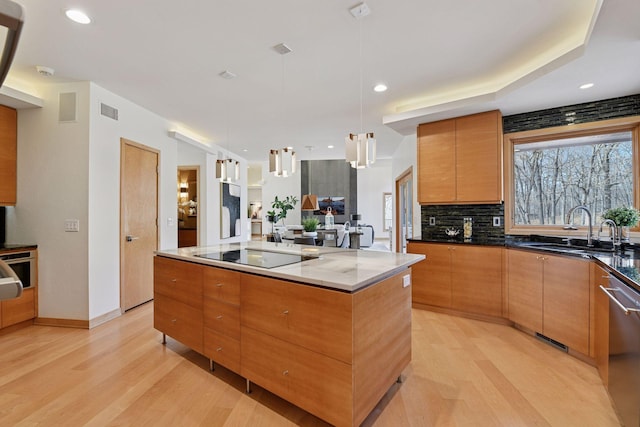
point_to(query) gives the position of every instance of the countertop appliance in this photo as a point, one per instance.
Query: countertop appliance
(10, 284)
(624, 350)
(264, 259)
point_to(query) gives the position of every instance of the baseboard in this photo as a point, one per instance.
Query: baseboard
(452, 312)
(63, 323)
(97, 321)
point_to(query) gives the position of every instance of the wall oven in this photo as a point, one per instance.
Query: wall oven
(624, 350)
(24, 265)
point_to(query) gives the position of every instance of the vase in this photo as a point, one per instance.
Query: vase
(309, 234)
(624, 231)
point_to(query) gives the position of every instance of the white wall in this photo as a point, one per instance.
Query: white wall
(273, 186)
(405, 157)
(372, 183)
(53, 167)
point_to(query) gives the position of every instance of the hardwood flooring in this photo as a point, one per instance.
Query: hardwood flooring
(463, 373)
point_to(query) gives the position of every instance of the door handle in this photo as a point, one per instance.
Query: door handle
(131, 238)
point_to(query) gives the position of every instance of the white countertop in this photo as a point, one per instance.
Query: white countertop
(336, 268)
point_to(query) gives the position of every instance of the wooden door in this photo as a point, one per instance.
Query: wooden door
(476, 282)
(525, 288)
(431, 276)
(478, 158)
(138, 222)
(436, 162)
(566, 301)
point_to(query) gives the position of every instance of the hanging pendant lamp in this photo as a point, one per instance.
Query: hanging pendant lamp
(282, 161)
(360, 149)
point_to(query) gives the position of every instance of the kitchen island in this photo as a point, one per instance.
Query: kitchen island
(326, 329)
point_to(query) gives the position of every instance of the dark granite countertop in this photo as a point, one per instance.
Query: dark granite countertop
(16, 247)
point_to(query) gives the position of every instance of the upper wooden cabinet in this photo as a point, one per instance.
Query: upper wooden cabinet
(460, 160)
(8, 155)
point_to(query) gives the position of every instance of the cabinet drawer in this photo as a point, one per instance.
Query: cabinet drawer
(19, 309)
(222, 349)
(222, 317)
(222, 284)
(316, 383)
(178, 320)
(317, 319)
(178, 280)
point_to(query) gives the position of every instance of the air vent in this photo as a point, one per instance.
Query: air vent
(108, 111)
(552, 342)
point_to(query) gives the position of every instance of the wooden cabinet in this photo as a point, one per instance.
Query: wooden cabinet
(334, 354)
(600, 321)
(221, 314)
(550, 294)
(461, 277)
(8, 155)
(178, 298)
(460, 160)
(18, 310)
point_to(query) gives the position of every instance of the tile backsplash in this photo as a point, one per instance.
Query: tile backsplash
(452, 216)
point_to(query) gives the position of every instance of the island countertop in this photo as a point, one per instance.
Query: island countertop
(335, 268)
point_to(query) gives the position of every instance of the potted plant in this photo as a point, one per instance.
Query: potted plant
(624, 218)
(310, 226)
(281, 207)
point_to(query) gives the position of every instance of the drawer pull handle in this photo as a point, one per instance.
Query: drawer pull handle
(219, 317)
(219, 285)
(285, 372)
(174, 280)
(626, 310)
(285, 312)
(219, 349)
(174, 321)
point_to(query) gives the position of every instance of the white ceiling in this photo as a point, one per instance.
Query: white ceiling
(439, 58)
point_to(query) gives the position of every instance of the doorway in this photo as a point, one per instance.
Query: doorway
(138, 222)
(404, 210)
(188, 206)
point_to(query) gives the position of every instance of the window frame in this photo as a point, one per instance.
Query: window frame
(510, 140)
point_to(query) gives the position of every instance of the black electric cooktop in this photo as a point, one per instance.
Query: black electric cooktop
(257, 258)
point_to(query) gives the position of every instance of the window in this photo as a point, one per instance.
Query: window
(552, 170)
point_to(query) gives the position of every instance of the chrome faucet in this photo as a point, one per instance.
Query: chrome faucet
(612, 226)
(572, 227)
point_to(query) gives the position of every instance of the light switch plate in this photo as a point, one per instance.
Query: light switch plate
(71, 225)
(406, 280)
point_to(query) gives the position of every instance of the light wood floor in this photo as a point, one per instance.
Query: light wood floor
(464, 373)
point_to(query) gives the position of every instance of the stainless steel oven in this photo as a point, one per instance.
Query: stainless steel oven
(24, 265)
(624, 350)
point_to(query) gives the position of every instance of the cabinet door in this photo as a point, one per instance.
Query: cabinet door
(431, 276)
(179, 280)
(222, 349)
(316, 383)
(317, 319)
(8, 155)
(178, 320)
(524, 271)
(222, 284)
(566, 301)
(436, 162)
(478, 158)
(18, 309)
(222, 317)
(476, 280)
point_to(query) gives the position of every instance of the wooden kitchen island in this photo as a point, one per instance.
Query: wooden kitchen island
(329, 334)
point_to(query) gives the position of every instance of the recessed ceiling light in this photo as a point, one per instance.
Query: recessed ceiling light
(78, 16)
(245, 150)
(586, 86)
(380, 87)
(329, 146)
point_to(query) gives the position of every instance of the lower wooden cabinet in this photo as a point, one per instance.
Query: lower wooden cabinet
(461, 277)
(550, 294)
(334, 354)
(18, 310)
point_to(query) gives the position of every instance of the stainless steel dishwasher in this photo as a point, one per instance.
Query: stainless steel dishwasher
(624, 350)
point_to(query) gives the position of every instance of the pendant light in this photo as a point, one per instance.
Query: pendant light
(227, 169)
(360, 149)
(282, 161)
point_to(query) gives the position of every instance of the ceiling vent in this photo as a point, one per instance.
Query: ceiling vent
(109, 111)
(282, 49)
